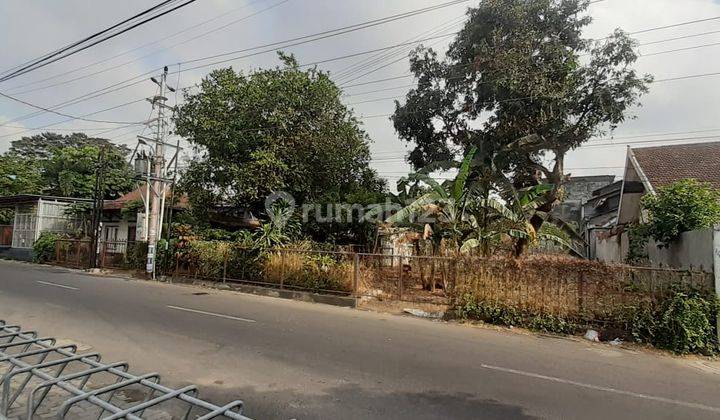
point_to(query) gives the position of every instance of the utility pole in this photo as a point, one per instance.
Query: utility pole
(98, 196)
(159, 182)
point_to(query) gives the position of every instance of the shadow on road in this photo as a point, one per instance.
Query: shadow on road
(354, 402)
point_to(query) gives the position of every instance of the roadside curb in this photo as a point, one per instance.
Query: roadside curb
(342, 301)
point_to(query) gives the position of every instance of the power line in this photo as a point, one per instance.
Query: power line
(45, 62)
(141, 57)
(334, 32)
(61, 50)
(63, 114)
(94, 94)
(674, 25)
(681, 49)
(379, 90)
(680, 38)
(352, 69)
(586, 145)
(304, 39)
(81, 116)
(87, 96)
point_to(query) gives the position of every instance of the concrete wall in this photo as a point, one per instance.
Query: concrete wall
(612, 250)
(693, 250)
(697, 250)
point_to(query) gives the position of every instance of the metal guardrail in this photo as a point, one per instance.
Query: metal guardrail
(60, 380)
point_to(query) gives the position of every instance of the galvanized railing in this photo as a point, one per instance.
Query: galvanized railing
(56, 380)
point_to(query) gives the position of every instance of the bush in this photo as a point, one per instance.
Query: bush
(683, 206)
(44, 247)
(468, 307)
(683, 323)
(316, 272)
(137, 255)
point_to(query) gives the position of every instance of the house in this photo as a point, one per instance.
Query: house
(123, 219)
(578, 190)
(655, 167)
(34, 214)
(599, 212)
(646, 170)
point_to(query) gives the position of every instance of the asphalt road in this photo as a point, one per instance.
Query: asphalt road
(290, 359)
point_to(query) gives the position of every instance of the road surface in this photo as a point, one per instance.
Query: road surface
(289, 359)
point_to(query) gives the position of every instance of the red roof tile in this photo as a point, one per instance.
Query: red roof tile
(664, 165)
(136, 195)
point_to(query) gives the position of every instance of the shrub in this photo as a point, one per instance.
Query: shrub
(683, 206)
(469, 307)
(137, 255)
(314, 272)
(683, 323)
(44, 247)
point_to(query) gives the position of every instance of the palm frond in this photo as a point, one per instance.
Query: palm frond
(405, 214)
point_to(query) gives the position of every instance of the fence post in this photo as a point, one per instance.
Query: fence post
(400, 278)
(225, 261)
(716, 271)
(581, 293)
(78, 246)
(57, 252)
(282, 269)
(356, 274)
(103, 250)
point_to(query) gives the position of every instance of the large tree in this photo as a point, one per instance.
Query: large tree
(56, 164)
(42, 146)
(72, 172)
(277, 129)
(522, 85)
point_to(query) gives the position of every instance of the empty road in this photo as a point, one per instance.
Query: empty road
(290, 359)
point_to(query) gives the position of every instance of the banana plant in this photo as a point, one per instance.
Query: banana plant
(492, 219)
(439, 212)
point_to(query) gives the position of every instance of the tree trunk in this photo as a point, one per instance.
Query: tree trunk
(556, 178)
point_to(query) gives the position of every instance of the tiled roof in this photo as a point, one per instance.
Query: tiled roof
(664, 165)
(136, 195)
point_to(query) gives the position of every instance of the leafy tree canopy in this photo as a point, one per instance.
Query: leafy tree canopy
(522, 85)
(18, 176)
(71, 172)
(55, 164)
(683, 206)
(270, 130)
(42, 146)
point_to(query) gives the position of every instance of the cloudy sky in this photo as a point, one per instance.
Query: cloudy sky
(674, 110)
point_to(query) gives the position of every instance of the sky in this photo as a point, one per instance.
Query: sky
(674, 110)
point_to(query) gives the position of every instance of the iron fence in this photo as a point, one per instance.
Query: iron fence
(122, 254)
(573, 289)
(406, 278)
(557, 285)
(329, 272)
(74, 253)
(45, 378)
